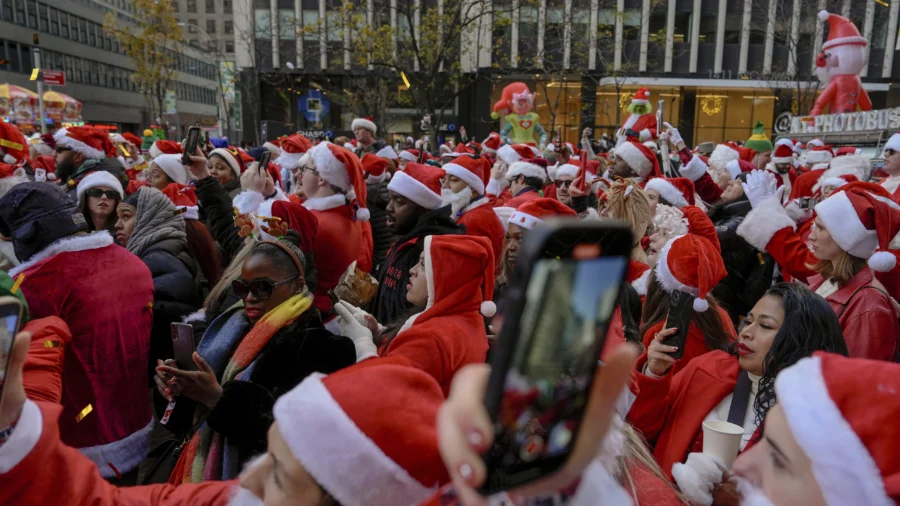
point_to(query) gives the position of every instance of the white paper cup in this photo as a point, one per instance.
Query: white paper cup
(722, 440)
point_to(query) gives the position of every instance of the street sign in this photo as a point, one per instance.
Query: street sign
(54, 77)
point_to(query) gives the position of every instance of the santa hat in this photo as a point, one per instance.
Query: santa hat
(857, 165)
(677, 191)
(476, 146)
(341, 168)
(99, 178)
(863, 224)
(512, 153)
(847, 150)
(183, 197)
(290, 215)
(784, 152)
(274, 146)
(233, 158)
(639, 158)
(445, 148)
(172, 166)
(528, 167)
(134, 139)
(725, 153)
(534, 212)
(92, 143)
(410, 155)
(893, 142)
(690, 264)
(569, 170)
(641, 96)
(841, 412)
(387, 152)
(380, 454)
(699, 224)
(460, 150)
(841, 31)
(839, 181)
(375, 168)
(366, 123)
(738, 167)
(292, 150)
(164, 147)
(492, 143)
(419, 183)
(13, 143)
(470, 257)
(470, 170)
(819, 154)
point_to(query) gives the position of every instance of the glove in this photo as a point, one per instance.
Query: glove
(760, 185)
(631, 133)
(797, 213)
(357, 332)
(694, 169)
(698, 476)
(673, 134)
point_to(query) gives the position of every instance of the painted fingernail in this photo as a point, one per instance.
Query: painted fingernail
(465, 470)
(475, 439)
(169, 391)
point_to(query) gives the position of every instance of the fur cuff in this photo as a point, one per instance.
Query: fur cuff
(694, 169)
(763, 222)
(248, 201)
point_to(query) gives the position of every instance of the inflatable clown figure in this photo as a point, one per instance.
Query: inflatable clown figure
(522, 125)
(843, 57)
(640, 126)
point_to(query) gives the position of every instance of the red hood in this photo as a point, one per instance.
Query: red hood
(460, 273)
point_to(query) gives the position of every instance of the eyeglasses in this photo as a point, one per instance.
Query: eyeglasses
(61, 149)
(306, 168)
(564, 184)
(261, 288)
(97, 193)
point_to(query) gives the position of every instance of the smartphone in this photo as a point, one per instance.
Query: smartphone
(190, 146)
(264, 161)
(183, 346)
(559, 304)
(10, 320)
(681, 307)
(808, 202)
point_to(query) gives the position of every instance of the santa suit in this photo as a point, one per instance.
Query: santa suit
(694, 342)
(36, 468)
(892, 185)
(526, 195)
(643, 124)
(669, 411)
(42, 374)
(364, 260)
(802, 186)
(786, 180)
(105, 295)
(337, 244)
(479, 218)
(844, 93)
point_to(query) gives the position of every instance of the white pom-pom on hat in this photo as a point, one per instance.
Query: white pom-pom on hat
(700, 305)
(488, 308)
(363, 214)
(824, 15)
(882, 261)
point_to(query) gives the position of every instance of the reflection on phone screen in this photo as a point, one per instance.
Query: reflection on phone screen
(567, 310)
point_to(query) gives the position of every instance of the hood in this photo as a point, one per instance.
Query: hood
(459, 270)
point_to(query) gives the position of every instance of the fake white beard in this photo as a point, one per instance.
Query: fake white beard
(457, 201)
(750, 495)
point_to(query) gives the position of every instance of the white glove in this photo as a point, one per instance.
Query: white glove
(797, 213)
(673, 134)
(357, 332)
(360, 315)
(697, 477)
(694, 169)
(760, 185)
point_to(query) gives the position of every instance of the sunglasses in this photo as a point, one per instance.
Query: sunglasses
(564, 184)
(261, 288)
(97, 193)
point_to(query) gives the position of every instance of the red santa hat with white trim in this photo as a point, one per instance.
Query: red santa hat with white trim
(492, 143)
(893, 142)
(528, 167)
(470, 170)
(569, 170)
(90, 142)
(274, 146)
(843, 413)
(839, 181)
(725, 152)
(419, 183)
(640, 158)
(678, 191)
(512, 153)
(375, 168)
(232, 157)
(172, 166)
(341, 168)
(863, 224)
(784, 152)
(691, 264)
(469, 284)
(184, 198)
(293, 148)
(641, 96)
(99, 178)
(388, 453)
(366, 123)
(13, 144)
(841, 31)
(819, 154)
(860, 166)
(387, 152)
(410, 155)
(534, 212)
(164, 147)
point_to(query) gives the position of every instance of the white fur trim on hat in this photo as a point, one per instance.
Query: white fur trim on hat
(406, 155)
(893, 142)
(526, 169)
(229, 159)
(723, 154)
(364, 123)
(843, 467)
(363, 474)
(783, 159)
(290, 160)
(566, 169)
(734, 168)
(387, 152)
(23, 438)
(857, 165)
(469, 177)
(843, 224)
(329, 167)
(819, 156)
(429, 272)
(667, 190)
(640, 284)
(834, 182)
(503, 214)
(172, 166)
(154, 150)
(275, 150)
(635, 159)
(101, 178)
(414, 190)
(761, 224)
(523, 220)
(508, 154)
(62, 139)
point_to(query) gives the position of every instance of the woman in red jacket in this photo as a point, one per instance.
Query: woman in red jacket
(671, 408)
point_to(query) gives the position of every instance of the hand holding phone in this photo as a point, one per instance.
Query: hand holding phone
(264, 160)
(183, 346)
(190, 145)
(10, 321)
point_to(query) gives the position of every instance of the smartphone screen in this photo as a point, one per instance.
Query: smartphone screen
(264, 161)
(681, 307)
(190, 147)
(183, 346)
(10, 315)
(567, 306)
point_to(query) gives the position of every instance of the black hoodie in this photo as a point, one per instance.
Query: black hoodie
(390, 300)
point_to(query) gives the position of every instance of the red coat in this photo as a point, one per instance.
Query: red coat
(694, 343)
(896, 195)
(867, 319)
(707, 189)
(522, 197)
(479, 218)
(54, 473)
(43, 370)
(644, 122)
(803, 185)
(337, 245)
(669, 411)
(367, 246)
(844, 93)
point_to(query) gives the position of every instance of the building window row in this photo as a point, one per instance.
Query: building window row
(191, 6)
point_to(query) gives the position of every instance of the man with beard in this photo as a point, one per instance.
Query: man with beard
(463, 191)
(414, 211)
(783, 166)
(82, 150)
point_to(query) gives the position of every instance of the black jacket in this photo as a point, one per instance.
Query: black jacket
(215, 202)
(390, 300)
(377, 198)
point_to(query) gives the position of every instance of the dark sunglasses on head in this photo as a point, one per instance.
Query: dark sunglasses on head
(890, 152)
(261, 288)
(97, 193)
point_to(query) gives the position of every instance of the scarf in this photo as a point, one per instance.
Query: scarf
(209, 456)
(156, 220)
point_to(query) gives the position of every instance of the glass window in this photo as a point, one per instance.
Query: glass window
(880, 27)
(311, 23)
(211, 26)
(20, 11)
(286, 25)
(229, 46)
(54, 21)
(7, 7)
(82, 30)
(175, 5)
(107, 42)
(101, 74)
(92, 36)
(32, 14)
(68, 68)
(192, 6)
(210, 6)
(12, 54)
(42, 18)
(63, 24)
(229, 27)
(262, 23)
(226, 6)
(78, 70)
(733, 22)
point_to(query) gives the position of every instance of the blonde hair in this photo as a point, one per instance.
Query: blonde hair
(626, 201)
(841, 270)
(635, 453)
(232, 272)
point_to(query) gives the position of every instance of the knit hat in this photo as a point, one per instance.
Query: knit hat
(492, 143)
(639, 158)
(375, 168)
(690, 264)
(366, 123)
(841, 31)
(164, 147)
(35, 215)
(6, 285)
(183, 197)
(819, 154)
(534, 212)
(677, 191)
(419, 183)
(13, 143)
(512, 153)
(725, 153)
(380, 454)
(172, 166)
(863, 224)
(759, 142)
(387, 152)
(841, 412)
(472, 261)
(341, 168)
(859, 166)
(233, 158)
(784, 152)
(410, 155)
(470, 170)
(292, 150)
(641, 96)
(100, 178)
(89, 141)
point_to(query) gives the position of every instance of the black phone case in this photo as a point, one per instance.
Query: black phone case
(681, 307)
(190, 147)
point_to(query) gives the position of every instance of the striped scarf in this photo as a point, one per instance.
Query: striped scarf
(208, 456)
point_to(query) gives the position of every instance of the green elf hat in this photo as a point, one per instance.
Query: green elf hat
(6, 285)
(758, 141)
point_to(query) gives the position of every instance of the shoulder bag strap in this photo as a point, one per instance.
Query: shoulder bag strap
(738, 410)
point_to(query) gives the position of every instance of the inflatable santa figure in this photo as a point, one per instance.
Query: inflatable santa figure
(521, 123)
(641, 123)
(843, 57)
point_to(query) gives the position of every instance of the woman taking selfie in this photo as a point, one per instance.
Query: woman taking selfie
(671, 408)
(99, 193)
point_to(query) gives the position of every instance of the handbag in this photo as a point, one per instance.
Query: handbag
(162, 458)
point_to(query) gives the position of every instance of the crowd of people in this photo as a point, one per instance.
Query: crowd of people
(343, 302)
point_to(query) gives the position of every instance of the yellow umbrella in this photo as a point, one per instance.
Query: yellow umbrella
(17, 103)
(11, 91)
(61, 101)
